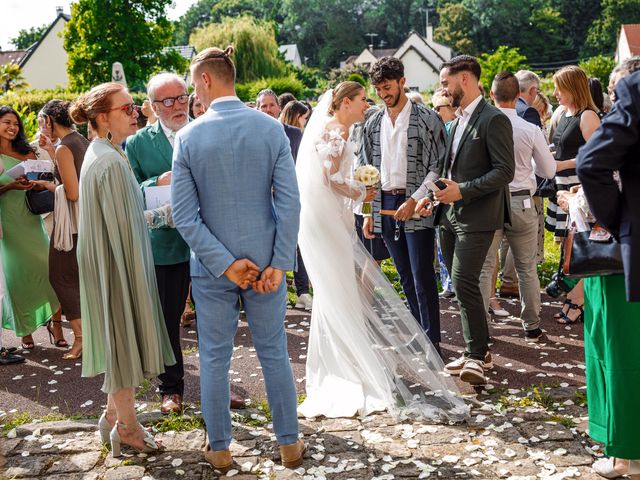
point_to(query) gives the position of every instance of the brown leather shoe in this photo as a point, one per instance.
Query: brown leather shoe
(171, 403)
(506, 291)
(220, 459)
(236, 402)
(292, 454)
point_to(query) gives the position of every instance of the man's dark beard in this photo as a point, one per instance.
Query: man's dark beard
(456, 97)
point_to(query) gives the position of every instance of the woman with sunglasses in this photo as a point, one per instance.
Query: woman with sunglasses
(29, 299)
(124, 335)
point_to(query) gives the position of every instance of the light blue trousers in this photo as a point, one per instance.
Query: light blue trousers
(218, 306)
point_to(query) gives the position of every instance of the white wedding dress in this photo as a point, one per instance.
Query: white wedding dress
(366, 352)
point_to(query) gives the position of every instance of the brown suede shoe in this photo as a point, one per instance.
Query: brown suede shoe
(292, 454)
(171, 403)
(220, 459)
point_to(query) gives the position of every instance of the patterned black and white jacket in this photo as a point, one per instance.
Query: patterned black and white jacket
(425, 154)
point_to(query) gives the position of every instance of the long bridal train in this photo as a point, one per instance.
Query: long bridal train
(366, 351)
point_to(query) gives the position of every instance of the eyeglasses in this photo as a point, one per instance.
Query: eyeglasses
(129, 108)
(170, 101)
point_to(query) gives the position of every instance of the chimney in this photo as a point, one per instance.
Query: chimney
(59, 11)
(429, 33)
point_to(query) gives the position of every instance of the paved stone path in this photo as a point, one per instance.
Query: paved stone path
(516, 431)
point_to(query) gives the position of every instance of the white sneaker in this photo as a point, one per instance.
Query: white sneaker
(455, 367)
(304, 302)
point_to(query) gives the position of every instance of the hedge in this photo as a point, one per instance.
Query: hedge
(248, 92)
(34, 100)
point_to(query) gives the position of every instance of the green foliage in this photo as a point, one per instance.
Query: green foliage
(178, 423)
(599, 66)
(15, 421)
(26, 38)
(248, 92)
(604, 31)
(134, 33)
(11, 77)
(338, 75)
(256, 50)
(34, 100)
(502, 59)
(456, 23)
(356, 77)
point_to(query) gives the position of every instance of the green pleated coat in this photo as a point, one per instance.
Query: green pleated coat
(124, 334)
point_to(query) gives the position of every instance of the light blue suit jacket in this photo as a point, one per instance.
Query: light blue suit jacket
(234, 190)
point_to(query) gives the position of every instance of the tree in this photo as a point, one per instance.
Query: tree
(26, 38)
(456, 22)
(599, 67)
(256, 50)
(502, 59)
(11, 77)
(604, 31)
(134, 33)
(198, 15)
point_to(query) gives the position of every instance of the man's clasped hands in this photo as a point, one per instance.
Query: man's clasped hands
(245, 274)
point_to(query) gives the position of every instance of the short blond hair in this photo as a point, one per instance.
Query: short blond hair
(218, 62)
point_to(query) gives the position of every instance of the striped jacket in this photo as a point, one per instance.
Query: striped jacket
(425, 152)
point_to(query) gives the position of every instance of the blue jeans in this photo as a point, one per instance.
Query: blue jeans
(412, 255)
(218, 311)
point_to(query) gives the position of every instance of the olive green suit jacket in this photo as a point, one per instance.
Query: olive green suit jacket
(484, 166)
(150, 155)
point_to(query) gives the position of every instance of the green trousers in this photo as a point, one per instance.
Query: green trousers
(612, 354)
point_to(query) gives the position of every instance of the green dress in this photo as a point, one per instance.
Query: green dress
(29, 300)
(124, 334)
(612, 354)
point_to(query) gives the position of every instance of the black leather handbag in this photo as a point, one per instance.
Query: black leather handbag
(592, 253)
(40, 201)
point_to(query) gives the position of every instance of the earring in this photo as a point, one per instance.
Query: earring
(109, 135)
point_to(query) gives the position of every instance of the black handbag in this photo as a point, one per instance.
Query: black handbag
(592, 253)
(40, 201)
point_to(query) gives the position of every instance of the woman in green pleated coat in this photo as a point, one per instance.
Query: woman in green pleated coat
(124, 334)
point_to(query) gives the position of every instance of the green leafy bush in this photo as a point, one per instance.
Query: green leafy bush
(599, 67)
(249, 91)
(356, 77)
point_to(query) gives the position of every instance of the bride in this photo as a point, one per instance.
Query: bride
(366, 351)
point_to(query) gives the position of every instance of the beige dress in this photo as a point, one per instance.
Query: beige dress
(124, 334)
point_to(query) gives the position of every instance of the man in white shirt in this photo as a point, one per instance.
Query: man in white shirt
(405, 141)
(529, 143)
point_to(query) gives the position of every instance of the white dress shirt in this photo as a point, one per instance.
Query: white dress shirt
(531, 153)
(227, 98)
(463, 120)
(170, 134)
(393, 139)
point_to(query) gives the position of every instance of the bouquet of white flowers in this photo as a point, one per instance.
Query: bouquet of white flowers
(369, 176)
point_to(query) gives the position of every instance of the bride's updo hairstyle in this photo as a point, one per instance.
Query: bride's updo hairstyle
(344, 90)
(91, 104)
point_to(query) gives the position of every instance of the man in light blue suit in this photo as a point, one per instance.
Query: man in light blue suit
(235, 202)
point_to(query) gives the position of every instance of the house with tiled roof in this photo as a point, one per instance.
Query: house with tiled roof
(628, 42)
(420, 55)
(43, 64)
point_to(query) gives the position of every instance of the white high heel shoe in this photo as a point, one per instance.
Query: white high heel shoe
(116, 442)
(104, 427)
(605, 467)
